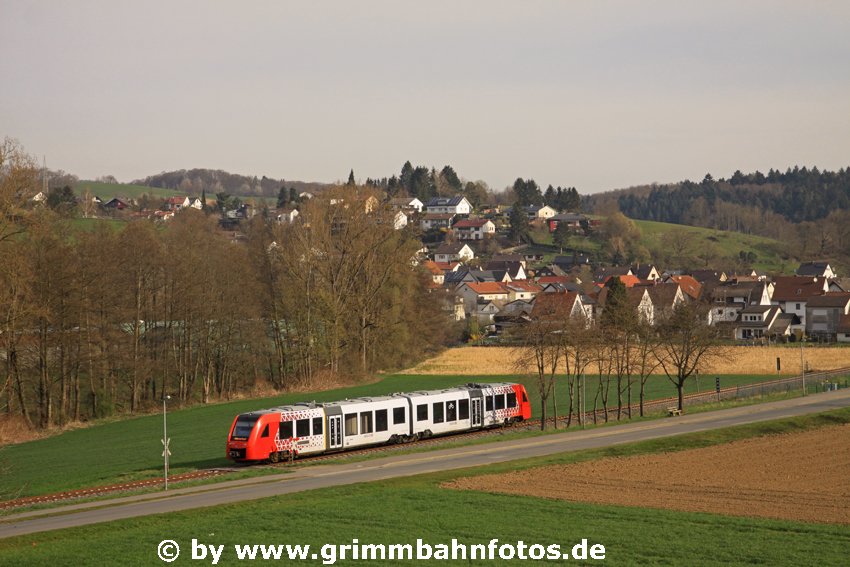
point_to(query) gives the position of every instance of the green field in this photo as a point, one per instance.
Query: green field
(400, 511)
(768, 251)
(129, 449)
(107, 191)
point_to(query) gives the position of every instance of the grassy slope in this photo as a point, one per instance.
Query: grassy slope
(107, 191)
(130, 449)
(401, 510)
(730, 244)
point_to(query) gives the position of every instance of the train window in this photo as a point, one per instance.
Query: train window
(365, 422)
(489, 403)
(317, 426)
(463, 409)
(422, 412)
(512, 400)
(438, 412)
(302, 428)
(398, 416)
(500, 401)
(381, 422)
(451, 411)
(350, 424)
(265, 432)
(285, 431)
(524, 397)
(244, 425)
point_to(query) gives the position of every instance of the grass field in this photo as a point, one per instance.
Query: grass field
(729, 244)
(125, 450)
(402, 510)
(107, 191)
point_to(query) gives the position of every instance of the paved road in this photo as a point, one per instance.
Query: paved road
(322, 476)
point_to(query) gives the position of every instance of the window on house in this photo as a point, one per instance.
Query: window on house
(365, 422)
(438, 412)
(350, 424)
(398, 416)
(798, 307)
(422, 412)
(381, 422)
(317, 426)
(285, 431)
(302, 428)
(463, 409)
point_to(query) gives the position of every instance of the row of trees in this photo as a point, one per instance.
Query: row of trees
(109, 320)
(620, 350)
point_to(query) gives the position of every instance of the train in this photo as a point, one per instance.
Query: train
(309, 428)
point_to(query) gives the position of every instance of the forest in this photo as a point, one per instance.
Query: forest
(107, 320)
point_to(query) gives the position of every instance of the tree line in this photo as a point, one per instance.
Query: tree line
(108, 320)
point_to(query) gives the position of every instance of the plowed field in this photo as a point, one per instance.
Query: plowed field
(801, 476)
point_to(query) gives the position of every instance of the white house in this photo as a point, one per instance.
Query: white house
(457, 205)
(407, 204)
(543, 212)
(399, 220)
(488, 294)
(287, 215)
(431, 221)
(473, 229)
(453, 251)
(792, 293)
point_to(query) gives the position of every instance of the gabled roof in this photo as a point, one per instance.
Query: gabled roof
(447, 266)
(568, 217)
(433, 267)
(813, 268)
(703, 276)
(830, 299)
(445, 201)
(451, 248)
(689, 285)
(628, 280)
(663, 295)
(554, 304)
(602, 274)
(488, 288)
(524, 285)
(798, 288)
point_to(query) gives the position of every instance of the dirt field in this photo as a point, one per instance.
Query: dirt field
(800, 476)
(735, 360)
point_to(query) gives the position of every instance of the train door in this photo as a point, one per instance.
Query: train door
(476, 412)
(334, 432)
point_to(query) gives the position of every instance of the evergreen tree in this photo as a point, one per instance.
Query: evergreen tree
(351, 181)
(282, 197)
(203, 200)
(293, 195)
(519, 223)
(561, 236)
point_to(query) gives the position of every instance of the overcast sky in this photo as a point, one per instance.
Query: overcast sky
(597, 95)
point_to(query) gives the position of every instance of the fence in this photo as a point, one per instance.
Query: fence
(815, 382)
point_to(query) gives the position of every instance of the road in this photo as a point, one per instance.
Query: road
(323, 476)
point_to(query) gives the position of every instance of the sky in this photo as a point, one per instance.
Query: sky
(597, 95)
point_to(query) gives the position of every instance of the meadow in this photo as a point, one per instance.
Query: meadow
(401, 510)
(121, 450)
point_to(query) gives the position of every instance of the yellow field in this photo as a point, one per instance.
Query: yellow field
(472, 361)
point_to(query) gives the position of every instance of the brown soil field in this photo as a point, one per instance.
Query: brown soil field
(798, 476)
(734, 360)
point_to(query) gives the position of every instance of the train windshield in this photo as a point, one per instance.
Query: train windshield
(244, 425)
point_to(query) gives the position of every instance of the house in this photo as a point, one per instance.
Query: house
(641, 301)
(482, 298)
(665, 298)
(824, 313)
(473, 229)
(763, 321)
(792, 293)
(453, 251)
(432, 221)
(603, 274)
(539, 212)
(561, 306)
(523, 290)
(399, 220)
(457, 205)
(287, 215)
(727, 300)
(406, 204)
(438, 276)
(815, 269)
(646, 272)
(176, 203)
(567, 263)
(516, 270)
(115, 203)
(690, 286)
(575, 221)
(843, 330)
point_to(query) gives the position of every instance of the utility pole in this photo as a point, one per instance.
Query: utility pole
(166, 451)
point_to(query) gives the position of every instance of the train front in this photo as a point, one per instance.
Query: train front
(249, 438)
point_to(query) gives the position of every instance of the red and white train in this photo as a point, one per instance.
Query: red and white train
(312, 428)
